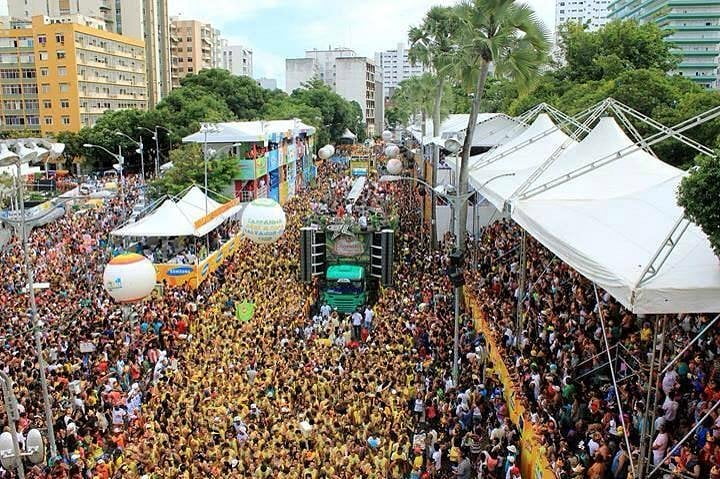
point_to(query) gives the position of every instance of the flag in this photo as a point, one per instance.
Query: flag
(244, 311)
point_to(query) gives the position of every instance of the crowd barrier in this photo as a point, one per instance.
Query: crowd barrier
(194, 274)
(533, 461)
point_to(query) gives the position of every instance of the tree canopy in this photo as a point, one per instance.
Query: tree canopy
(189, 168)
(211, 96)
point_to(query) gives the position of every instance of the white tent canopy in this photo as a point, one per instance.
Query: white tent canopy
(611, 222)
(167, 220)
(250, 131)
(179, 218)
(493, 180)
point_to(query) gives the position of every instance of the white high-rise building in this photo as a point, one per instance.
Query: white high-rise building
(349, 75)
(237, 59)
(593, 13)
(396, 67)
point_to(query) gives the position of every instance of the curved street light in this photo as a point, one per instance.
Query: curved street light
(24, 155)
(156, 137)
(140, 150)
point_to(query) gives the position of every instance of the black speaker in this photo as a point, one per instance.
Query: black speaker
(457, 276)
(388, 256)
(312, 253)
(376, 256)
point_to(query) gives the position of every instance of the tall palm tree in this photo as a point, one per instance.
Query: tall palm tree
(506, 35)
(434, 45)
(416, 96)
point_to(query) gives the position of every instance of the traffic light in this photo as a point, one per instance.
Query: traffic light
(382, 256)
(312, 253)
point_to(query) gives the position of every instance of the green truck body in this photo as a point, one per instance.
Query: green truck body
(345, 287)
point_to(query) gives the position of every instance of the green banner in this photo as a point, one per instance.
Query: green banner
(261, 166)
(247, 170)
(244, 311)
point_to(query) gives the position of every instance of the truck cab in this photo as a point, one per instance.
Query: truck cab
(345, 287)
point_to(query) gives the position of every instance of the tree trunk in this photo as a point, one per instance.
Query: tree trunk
(436, 157)
(467, 145)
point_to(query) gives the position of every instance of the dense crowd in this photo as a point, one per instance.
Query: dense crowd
(558, 358)
(185, 388)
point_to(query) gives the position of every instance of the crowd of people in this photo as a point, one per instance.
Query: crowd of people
(186, 388)
(559, 358)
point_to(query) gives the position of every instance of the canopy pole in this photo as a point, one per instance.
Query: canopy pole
(685, 438)
(521, 285)
(633, 131)
(646, 429)
(537, 137)
(612, 157)
(694, 340)
(612, 374)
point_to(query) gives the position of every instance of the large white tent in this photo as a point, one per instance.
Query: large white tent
(613, 222)
(519, 156)
(167, 220)
(179, 218)
(610, 223)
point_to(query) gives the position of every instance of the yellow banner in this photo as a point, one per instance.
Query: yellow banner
(175, 274)
(533, 462)
(180, 274)
(217, 212)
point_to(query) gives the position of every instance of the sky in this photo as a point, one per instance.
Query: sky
(280, 29)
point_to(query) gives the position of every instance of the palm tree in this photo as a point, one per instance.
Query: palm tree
(434, 44)
(415, 96)
(507, 35)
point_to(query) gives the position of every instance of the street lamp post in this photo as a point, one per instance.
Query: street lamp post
(156, 137)
(455, 201)
(26, 155)
(206, 128)
(140, 150)
(117, 156)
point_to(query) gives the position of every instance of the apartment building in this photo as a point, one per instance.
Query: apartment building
(146, 20)
(350, 76)
(61, 76)
(592, 13)
(194, 45)
(237, 59)
(695, 34)
(396, 66)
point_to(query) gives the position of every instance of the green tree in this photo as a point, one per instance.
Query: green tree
(499, 94)
(243, 96)
(698, 195)
(189, 168)
(336, 113)
(185, 108)
(503, 33)
(619, 46)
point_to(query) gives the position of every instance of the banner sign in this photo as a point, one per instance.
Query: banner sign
(272, 160)
(175, 274)
(244, 311)
(346, 246)
(533, 463)
(247, 170)
(217, 212)
(215, 260)
(261, 166)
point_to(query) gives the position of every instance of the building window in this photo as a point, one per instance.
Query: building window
(46, 88)
(47, 104)
(60, 54)
(43, 55)
(65, 120)
(64, 103)
(48, 120)
(62, 71)
(42, 40)
(60, 38)
(190, 69)
(64, 87)
(29, 73)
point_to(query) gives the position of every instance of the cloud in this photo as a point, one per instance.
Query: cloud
(279, 29)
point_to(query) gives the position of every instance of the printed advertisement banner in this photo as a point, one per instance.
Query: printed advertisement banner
(272, 160)
(344, 246)
(175, 274)
(247, 170)
(261, 167)
(533, 463)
